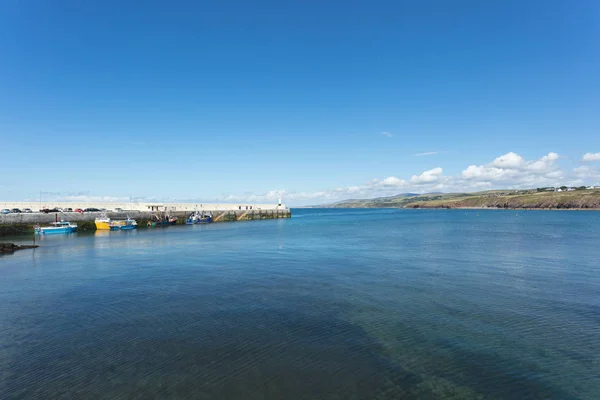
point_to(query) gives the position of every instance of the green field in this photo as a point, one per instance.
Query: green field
(577, 199)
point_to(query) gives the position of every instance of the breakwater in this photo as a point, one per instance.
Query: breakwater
(13, 224)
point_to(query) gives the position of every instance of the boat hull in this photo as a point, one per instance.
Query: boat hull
(55, 231)
(122, 227)
(205, 220)
(102, 225)
(126, 225)
(161, 223)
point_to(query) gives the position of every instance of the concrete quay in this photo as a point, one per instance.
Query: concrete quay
(137, 206)
(13, 224)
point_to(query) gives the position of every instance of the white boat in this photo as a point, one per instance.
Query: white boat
(56, 227)
(199, 218)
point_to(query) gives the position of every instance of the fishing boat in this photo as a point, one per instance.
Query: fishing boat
(129, 224)
(199, 218)
(56, 227)
(156, 220)
(102, 222)
(123, 225)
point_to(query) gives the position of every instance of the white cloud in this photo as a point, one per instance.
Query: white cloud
(433, 175)
(509, 160)
(393, 181)
(387, 134)
(487, 173)
(483, 184)
(543, 164)
(555, 174)
(427, 153)
(584, 170)
(586, 173)
(591, 157)
(512, 170)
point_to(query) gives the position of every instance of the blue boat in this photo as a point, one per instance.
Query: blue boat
(56, 227)
(166, 220)
(199, 218)
(126, 225)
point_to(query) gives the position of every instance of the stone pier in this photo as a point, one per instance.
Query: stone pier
(23, 223)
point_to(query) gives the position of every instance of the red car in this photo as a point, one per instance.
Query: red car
(79, 210)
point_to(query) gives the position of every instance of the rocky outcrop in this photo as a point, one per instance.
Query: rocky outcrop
(6, 248)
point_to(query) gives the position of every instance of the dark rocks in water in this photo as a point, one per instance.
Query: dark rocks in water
(11, 247)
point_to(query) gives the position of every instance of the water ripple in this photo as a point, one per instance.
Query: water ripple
(352, 304)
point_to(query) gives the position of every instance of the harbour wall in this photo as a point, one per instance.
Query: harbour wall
(14, 224)
(138, 206)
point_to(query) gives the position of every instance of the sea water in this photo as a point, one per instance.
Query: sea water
(330, 304)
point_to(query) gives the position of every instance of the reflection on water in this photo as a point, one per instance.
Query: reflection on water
(347, 304)
(102, 233)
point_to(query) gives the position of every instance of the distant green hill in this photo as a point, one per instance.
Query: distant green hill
(576, 199)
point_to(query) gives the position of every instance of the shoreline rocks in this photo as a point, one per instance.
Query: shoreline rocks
(8, 248)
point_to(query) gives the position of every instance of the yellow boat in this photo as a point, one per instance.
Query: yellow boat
(102, 223)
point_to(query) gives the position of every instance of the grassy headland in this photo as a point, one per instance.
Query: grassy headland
(517, 199)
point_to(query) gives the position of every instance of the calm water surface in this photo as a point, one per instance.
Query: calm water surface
(330, 304)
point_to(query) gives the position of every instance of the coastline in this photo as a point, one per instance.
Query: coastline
(530, 199)
(507, 208)
(466, 208)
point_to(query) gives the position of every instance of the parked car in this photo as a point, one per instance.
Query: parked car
(5, 211)
(50, 210)
(118, 209)
(79, 210)
(91, 210)
(68, 209)
(15, 211)
(27, 210)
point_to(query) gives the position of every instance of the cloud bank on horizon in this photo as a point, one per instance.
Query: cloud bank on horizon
(509, 170)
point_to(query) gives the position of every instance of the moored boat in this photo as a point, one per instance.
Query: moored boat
(123, 225)
(156, 220)
(129, 224)
(102, 222)
(56, 227)
(199, 218)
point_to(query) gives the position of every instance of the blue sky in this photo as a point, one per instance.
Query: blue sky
(239, 101)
